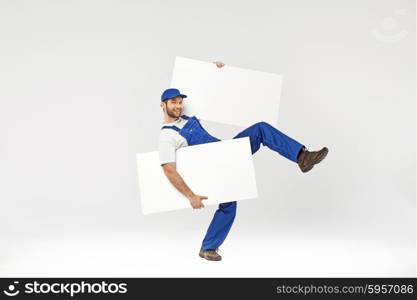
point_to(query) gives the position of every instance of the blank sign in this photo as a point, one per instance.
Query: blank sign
(227, 95)
(223, 171)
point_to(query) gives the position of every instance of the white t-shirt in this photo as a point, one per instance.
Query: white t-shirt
(170, 141)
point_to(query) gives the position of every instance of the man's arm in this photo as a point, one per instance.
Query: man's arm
(179, 183)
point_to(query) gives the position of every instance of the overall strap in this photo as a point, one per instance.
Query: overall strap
(171, 127)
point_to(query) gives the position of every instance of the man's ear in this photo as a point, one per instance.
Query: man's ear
(163, 105)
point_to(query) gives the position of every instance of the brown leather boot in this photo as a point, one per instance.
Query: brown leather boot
(210, 254)
(307, 159)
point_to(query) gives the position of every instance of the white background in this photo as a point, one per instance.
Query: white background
(79, 97)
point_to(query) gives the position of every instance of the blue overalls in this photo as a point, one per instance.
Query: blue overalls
(258, 133)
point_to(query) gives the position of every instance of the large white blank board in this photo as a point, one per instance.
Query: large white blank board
(223, 171)
(227, 95)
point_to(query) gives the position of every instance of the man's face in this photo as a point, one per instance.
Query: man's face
(173, 107)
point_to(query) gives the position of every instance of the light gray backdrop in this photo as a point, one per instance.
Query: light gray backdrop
(80, 86)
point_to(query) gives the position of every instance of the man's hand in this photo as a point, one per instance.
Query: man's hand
(179, 183)
(219, 64)
(196, 201)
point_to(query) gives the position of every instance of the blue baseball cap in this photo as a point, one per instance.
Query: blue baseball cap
(171, 93)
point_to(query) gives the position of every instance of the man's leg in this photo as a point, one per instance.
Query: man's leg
(225, 214)
(220, 225)
(274, 139)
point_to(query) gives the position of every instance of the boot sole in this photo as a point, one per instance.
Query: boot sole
(324, 154)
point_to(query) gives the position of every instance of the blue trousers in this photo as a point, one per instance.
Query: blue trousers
(259, 133)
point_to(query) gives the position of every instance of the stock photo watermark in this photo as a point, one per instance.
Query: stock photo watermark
(389, 29)
(71, 289)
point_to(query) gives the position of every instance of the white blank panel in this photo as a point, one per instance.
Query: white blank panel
(223, 171)
(227, 95)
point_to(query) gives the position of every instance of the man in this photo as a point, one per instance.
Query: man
(181, 131)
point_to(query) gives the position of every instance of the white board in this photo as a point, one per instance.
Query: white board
(229, 95)
(223, 171)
